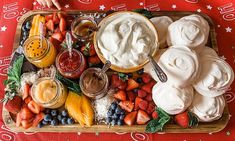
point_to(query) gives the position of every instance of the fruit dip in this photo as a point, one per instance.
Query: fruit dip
(171, 99)
(49, 93)
(215, 78)
(191, 31)
(161, 24)
(70, 67)
(94, 84)
(207, 109)
(39, 52)
(126, 39)
(180, 65)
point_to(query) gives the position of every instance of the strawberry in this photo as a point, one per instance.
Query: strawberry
(186, 119)
(26, 113)
(12, 102)
(57, 30)
(115, 80)
(142, 117)
(148, 87)
(58, 36)
(62, 15)
(64, 33)
(62, 25)
(26, 91)
(55, 43)
(27, 100)
(141, 93)
(27, 123)
(137, 102)
(34, 107)
(55, 18)
(88, 49)
(130, 118)
(146, 78)
(154, 115)
(131, 95)
(143, 105)
(149, 97)
(151, 107)
(126, 105)
(119, 81)
(50, 25)
(120, 95)
(18, 120)
(48, 17)
(93, 60)
(131, 84)
(39, 117)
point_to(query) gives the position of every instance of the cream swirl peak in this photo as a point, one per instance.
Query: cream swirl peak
(215, 78)
(207, 109)
(180, 64)
(171, 99)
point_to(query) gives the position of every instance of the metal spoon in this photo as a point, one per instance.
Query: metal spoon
(160, 74)
(106, 66)
(69, 43)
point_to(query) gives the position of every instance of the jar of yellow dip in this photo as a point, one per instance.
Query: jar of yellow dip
(39, 52)
(49, 93)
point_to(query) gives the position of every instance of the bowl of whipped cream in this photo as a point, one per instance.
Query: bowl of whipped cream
(126, 39)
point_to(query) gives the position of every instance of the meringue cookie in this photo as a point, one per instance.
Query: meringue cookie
(161, 24)
(171, 99)
(187, 33)
(208, 51)
(215, 78)
(180, 64)
(207, 109)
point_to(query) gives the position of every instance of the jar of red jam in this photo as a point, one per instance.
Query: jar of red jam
(70, 66)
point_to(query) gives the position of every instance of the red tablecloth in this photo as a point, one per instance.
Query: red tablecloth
(221, 11)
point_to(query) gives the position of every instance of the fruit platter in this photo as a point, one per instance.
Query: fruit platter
(129, 71)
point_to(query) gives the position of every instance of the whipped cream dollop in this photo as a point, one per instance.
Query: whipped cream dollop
(215, 78)
(161, 24)
(171, 99)
(127, 39)
(187, 32)
(180, 64)
(207, 109)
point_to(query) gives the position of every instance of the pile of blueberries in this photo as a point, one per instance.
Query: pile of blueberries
(115, 115)
(25, 32)
(55, 117)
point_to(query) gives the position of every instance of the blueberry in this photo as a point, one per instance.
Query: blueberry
(64, 113)
(130, 75)
(54, 122)
(108, 120)
(115, 116)
(47, 111)
(110, 113)
(22, 42)
(24, 37)
(64, 120)
(120, 122)
(28, 25)
(40, 125)
(118, 110)
(47, 117)
(139, 80)
(70, 121)
(24, 28)
(113, 122)
(140, 72)
(135, 90)
(54, 112)
(59, 117)
(121, 117)
(113, 105)
(44, 122)
(122, 112)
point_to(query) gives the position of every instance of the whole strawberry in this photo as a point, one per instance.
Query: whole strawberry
(12, 102)
(186, 119)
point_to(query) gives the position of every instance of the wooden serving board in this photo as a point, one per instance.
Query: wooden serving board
(210, 127)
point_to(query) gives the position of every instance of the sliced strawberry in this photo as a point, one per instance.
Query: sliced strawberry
(50, 25)
(137, 102)
(26, 91)
(18, 120)
(149, 97)
(120, 95)
(148, 87)
(131, 95)
(142, 117)
(55, 43)
(27, 123)
(93, 61)
(130, 118)
(34, 107)
(142, 93)
(57, 30)
(58, 36)
(64, 33)
(62, 15)
(88, 49)
(114, 80)
(151, 107)
(49, 17)
(27, 100)
(186, 119)
(131, 84)
(55, 18)
(143, 105)
(13, 105)
(39, 117)
(62, 25)
(146, 78)
(154, 115)
(26, 113)
(126, 105)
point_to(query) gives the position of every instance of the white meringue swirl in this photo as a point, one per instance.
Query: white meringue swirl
(207, 51)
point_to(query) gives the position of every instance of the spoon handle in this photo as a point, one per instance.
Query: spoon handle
(160, 74)
(106, 66)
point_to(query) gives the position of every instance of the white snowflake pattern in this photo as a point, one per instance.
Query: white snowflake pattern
(1, 46)
(67, 6)
(141, 3)
(3, 28)
(218, 25)
(102, 7)
(228, 29)
(35, 3)
(199, 10)
(209, 7)
(174, 6)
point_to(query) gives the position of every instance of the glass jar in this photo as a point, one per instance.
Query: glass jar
(83, 28)
(49, 93)
(70, 67)
(39, 52)
(93, 83)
